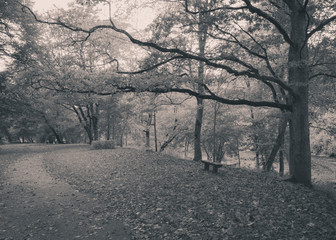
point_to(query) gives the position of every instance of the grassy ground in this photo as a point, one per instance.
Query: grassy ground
(161, 197)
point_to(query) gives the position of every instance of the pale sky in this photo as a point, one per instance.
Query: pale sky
(138, 21)
(45, 5)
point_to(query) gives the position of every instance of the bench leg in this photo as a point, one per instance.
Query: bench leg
(206, 166)
(215, 169)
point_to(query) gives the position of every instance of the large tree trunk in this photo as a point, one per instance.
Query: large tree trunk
(89, 133)
(299, 152)
(202, 37)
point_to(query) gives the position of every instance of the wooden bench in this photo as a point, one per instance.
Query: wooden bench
(215, 166)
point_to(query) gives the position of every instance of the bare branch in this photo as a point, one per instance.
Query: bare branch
(322, 74)
(321, 64)
(329, 130)
(6, 27)
(265, 57)
(171, 101)
(269, 18)
(213, 96)
(239, 43)
(152, 67)
(166, 89)
(320, 26)
(211, 10)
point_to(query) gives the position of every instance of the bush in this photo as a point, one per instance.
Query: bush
(108, 144)
(331, 151)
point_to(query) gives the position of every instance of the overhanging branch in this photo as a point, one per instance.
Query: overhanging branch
(181, 53)
(210, 96)
(165, 89)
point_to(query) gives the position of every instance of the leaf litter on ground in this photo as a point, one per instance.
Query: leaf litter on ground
(161, 197)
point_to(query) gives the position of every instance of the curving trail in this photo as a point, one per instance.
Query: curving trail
(33, 205)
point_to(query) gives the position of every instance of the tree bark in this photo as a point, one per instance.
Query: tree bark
(147, 139)
(155, 133)
(186, 146)
(121, 140)
(147, 130)
(84, 121)
(255, 138)
(89, 133)
(198, 131)
(108, 132)
(8, 135)
(278, 143)
(202, 37)
(93, 114)
(214, 132)
(173, 135)
(298, 76)
(281, 163)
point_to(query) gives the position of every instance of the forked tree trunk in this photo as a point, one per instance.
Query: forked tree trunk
(298, 76)
(57, 136)
(278, 143)
(84, 121)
